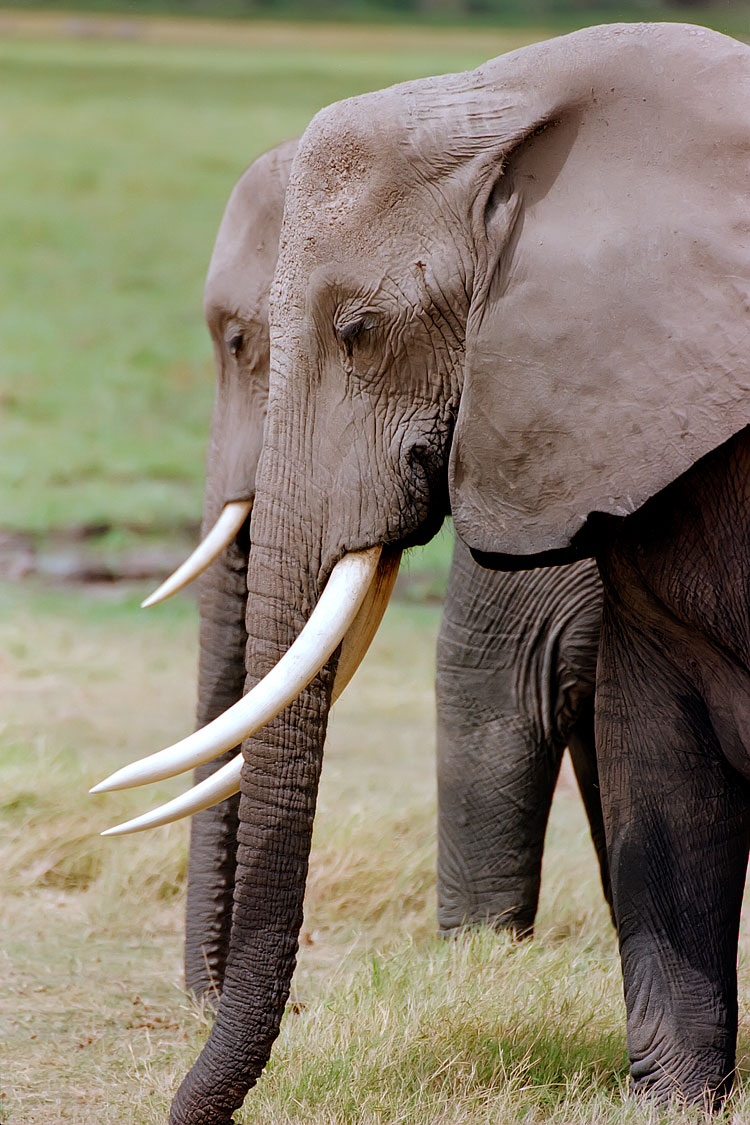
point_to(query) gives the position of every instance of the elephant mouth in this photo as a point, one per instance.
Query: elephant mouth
(348, 613)
(224, 532)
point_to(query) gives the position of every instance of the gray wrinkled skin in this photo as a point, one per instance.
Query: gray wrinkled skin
(516, 667)
(236, 307)
(538, 272)
(516, 655)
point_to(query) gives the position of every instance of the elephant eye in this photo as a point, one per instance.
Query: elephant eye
(235, 344)
(352, 330)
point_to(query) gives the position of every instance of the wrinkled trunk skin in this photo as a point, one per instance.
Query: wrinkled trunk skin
(213, 834)
(279, 791)
(516, 671)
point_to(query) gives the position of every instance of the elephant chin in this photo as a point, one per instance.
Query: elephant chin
(224, 532)
(350, 610)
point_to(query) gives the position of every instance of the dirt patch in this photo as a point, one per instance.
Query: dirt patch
(87, 554)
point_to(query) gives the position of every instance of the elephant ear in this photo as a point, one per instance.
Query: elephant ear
(608, 343)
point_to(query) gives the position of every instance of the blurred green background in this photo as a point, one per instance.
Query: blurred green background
(499, 12)
(122, 136)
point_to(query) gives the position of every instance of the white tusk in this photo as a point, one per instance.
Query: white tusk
(224, 531)
(226, 781)
(336, 609)
(220, 785)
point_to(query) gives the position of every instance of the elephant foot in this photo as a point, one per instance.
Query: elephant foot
(512, 914)
(518, 930)
(703, 1080)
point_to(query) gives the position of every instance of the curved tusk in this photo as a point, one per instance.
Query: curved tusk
(224, 531)
(336, 609)
(220, 785)
(225, 782)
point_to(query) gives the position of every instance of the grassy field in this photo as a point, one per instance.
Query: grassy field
(394, 1026)
(119, 155)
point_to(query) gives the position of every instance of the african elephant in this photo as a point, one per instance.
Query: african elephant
(521, 292)
(516, 655)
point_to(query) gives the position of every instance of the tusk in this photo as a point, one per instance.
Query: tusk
(367, 622)
(225, 782)
(224, 531)
(337, 607)
(220, 785)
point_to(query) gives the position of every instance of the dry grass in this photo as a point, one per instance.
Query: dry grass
(393, 1025)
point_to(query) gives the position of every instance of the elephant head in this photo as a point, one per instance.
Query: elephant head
(519, 291)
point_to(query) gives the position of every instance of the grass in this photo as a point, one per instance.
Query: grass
(390, 1024)
(119, 158)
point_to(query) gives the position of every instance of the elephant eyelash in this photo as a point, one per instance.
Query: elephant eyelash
(349, 332)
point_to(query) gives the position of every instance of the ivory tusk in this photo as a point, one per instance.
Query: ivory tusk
(337, 607)
(224, 531)
(226, 781)
(220, 785)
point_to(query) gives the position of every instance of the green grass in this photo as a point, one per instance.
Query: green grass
(118, 159)
(391, 1025)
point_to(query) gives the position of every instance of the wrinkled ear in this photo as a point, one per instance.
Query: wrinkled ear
(608, 342)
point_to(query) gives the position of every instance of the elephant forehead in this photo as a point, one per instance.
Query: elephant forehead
(337, 145)
(349, 161)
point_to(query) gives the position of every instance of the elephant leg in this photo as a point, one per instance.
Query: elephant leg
(493, 811)
(582, 748)
(213, 833)
(497, 757)
(678, 829)
(211, 870)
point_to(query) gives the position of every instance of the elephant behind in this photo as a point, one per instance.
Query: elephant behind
(516, 655)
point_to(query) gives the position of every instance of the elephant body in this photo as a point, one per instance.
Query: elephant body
(516, 654)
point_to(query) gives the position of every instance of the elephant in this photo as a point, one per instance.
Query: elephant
(516, 655)
(519, 294)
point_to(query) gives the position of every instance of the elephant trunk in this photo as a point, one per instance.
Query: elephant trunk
(213, 835)
(279, 791)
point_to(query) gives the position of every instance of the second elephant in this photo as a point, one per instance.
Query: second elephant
(516, 655)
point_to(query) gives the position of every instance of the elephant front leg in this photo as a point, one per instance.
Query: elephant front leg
(495, 786)
(677, 823)
(496, 774)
